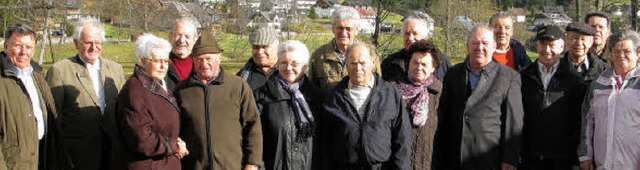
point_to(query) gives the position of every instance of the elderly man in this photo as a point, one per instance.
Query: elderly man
(327, 65)
(553, 96)
(395, 66)
(508, 51)
(182, 37)
(85, 88)
(264, 42)
(578, 41)
(366, 124)
(219, 119)
(480, 112)
(599, 21)
(28, 113)
(611, 129)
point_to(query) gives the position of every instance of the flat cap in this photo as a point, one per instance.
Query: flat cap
(549, 32)
(263, 36)
(581, 28)
(206, 44)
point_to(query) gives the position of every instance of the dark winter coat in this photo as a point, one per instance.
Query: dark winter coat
(395, 66)
(479, 129)
(255, 77)
(219, 122)
(284, 147)
(148, 121)
(596, 66)
(552, 116)
(382, 139)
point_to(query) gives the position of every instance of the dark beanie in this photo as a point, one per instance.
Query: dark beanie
(206, 44)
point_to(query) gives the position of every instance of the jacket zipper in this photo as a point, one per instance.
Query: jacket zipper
(208, 128)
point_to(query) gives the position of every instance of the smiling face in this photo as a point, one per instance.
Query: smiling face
(206, 66)
(411, 32)
(182, 39)
(480, 47)
(19, 49)
(420, 67)
(359, 65)
(89, 46)
(503, 30)
(289, 68)
(549, 51)
(624, 56)
(344, 32)
(578, 44)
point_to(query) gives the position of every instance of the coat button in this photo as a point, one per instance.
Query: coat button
(467, 118)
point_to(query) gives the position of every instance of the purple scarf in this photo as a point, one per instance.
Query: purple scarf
(420, 105)
(301, 111)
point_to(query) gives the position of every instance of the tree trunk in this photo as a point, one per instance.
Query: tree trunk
(634, 14)
(45, 32)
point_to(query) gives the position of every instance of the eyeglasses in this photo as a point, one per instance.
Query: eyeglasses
(159, 61)
(91, 43)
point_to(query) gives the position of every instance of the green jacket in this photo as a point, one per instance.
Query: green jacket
(87, 131)
(20, 147)
(326, 69)
(220, 119)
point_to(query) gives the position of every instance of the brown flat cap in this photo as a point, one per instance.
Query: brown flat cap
(206, 44)
(582, 28)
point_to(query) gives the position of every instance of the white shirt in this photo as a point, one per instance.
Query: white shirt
(359, 94)
(585, 62)
(96, 79)
(546, 74)
(25, 75)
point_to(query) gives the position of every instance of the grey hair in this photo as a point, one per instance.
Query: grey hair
(301, 50)
(623, 35)
(478, 28)
(187, 21)
(88, 21)
(346, 13)
(372, 52)
(18, 28)
(420, 23)
(149, 46)
(501, 15)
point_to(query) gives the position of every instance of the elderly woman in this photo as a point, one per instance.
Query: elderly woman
(288, 103)
(610, 137)
(147, 114)
(421, 93)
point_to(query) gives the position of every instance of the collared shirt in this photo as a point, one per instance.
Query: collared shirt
(341, 54)
(474, 77)
(96, 79)
(579, 66)
(359, 94)
(25, 75)
(547, 73)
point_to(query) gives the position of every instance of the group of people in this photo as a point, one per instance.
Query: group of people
(576, 106)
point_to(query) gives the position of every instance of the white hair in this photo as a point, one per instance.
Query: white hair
(301, 50)
(186, 22)
(88, 22)
(149, 46)
(421, 24)
(346, 13)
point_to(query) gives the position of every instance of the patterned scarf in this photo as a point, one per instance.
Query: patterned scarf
(420, 105)
(302, 113)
